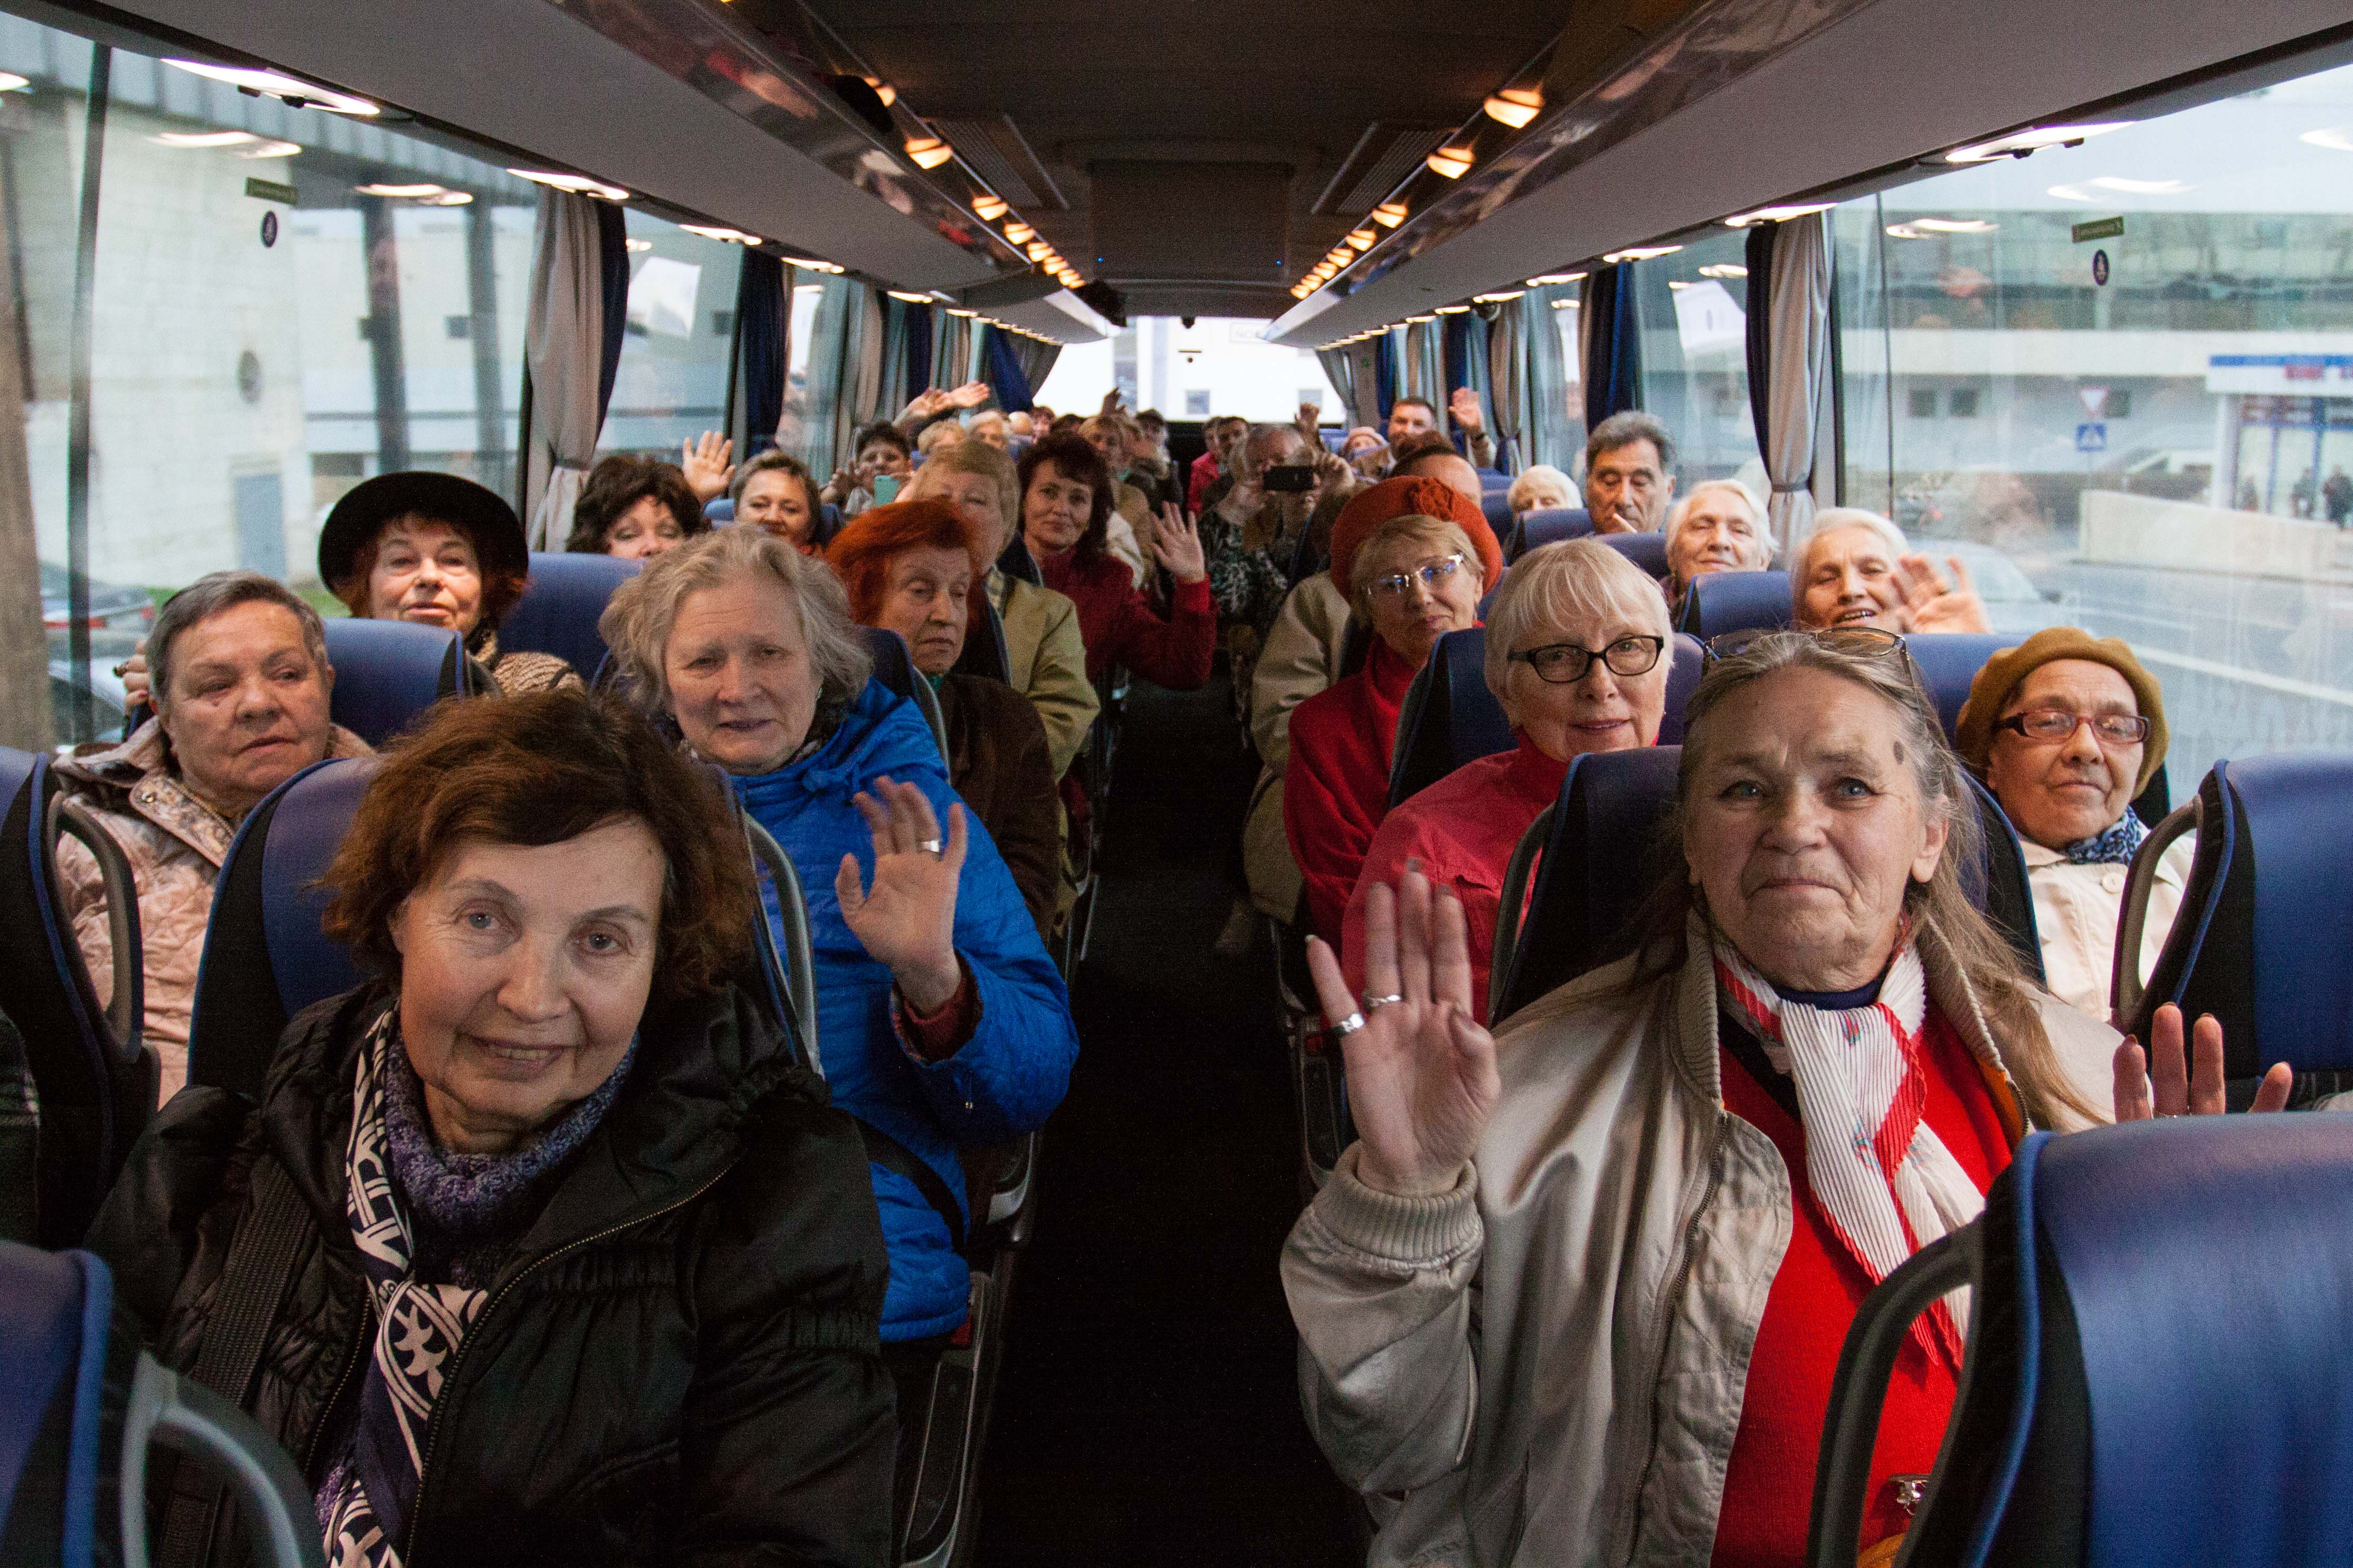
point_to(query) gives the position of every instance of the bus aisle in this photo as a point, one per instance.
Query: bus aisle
(1148, 1409)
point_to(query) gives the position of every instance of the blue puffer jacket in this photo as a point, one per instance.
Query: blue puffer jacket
(1007, 1076)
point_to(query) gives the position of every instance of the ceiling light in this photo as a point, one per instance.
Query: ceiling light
(1498, 299)
(1548, 280)
(11, 82)
(1905, 230)
(1781, 214)
(1642, 253)
(579, 184)
(2140, 187)
(633, 244)
(1417, 320)
(1300, 290)
(1020, 233)
(1954, 224)
(2019, 143)
(884, 90)
(1514, 106)
(277, 150)
(811, 264)
(1362, 239)
(1452, 162)
(1039, 250)
(988, 209)
(2336, 138)
(292, 90)
(908, 295)
(1723, 269)
(960, 310)
(1454, 310)
(407, 190)
(715, 231)
(204, 138)
(1568, 304)
(446, 199)
(928, 152)
(1389, 214)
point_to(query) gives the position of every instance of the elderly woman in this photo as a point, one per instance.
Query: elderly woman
(1541, 486)
(1577, 1294)
(776, 493)
(912, 567)
(441, 551)
(538, 1248)
(1066, 499)
(1414, 579)
(1856, 569)
(241, 681)
(1718, 527)
(634, 507)
(941, 1021)
(1576, 654)
(1366, 451)
(1048, 663)
(883, 460)
(993, 427)
(2067, 729)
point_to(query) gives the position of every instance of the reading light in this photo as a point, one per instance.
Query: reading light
(279, 150)
(1453, 162)
(1548, 280)
(446, 199)
(1723, 269)
(1781, 214)
(1362, 239)
(1642, 253)
(579, 184)
(714, 231)
(1965, 225)
(988, 209)
(1514, 106)
(11, 82)
(206, 139)
(811, 264)
(293, 91)
(1417, 320)
(1454, 310)
(1389, 214)
(2019, 143)
(928, 152)
(908, 295)
(884, 90)
(1504, 297)
(410, 191)
(1020, 233)
(960, 310)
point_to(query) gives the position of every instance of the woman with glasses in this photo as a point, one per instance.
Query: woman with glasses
(2067, 729)
(1576, 1294)
(1414, 579)
(1576, 653)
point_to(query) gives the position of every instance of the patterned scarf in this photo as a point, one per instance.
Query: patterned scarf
(2116, 846)
(1880, 1173)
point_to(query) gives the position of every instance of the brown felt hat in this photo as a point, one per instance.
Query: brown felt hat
(1991, 692)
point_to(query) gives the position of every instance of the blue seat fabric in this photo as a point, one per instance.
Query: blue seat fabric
(1721, 602)
(1498, 512)
(1546, 525)
(893, 667)
(1648, 551)
(56, 1339)
(389, 672)
(1948, 661)
(558, 613)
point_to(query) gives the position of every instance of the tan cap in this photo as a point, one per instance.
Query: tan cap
(1973, 735)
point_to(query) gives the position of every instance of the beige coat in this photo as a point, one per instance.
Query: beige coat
(1546, 1364)
(1301, 657)
(1048, 662)
(175, 844)
(2076, 912)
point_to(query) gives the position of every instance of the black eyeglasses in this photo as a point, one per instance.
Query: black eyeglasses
(1871, 642)
(2057, 724)
(1565, 663)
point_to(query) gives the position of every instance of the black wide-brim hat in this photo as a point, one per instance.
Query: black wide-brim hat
(481, 512)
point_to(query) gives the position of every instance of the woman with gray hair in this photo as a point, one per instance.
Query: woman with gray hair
(241, 679)
(1856, 569)
(1576, 1294)
(1718, 527)
(941, 1021)
(1576, 654)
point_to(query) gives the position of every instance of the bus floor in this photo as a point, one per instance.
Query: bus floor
(1148, 1410)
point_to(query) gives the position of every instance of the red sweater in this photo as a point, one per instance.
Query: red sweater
(1119, 626)
(1337, 789)
(1768, 1484)
(1205, 471)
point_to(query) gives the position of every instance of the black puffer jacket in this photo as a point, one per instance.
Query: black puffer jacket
(680, 1363)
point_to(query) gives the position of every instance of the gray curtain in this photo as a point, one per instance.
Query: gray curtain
(1340, 369)
(891, 392)
(1507, 384)
(951, 351)
(864, 368)
(1037, 361)
(564, 347)
(1425, 362)
(1791, 403)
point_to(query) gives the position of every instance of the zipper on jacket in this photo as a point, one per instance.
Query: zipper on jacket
(434, 1423)
(352, 1359)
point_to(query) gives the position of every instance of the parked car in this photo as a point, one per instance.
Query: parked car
(111, 609)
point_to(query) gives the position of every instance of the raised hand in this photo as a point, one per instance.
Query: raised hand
(2196, 1091)
(1421, 1074)
(1464, 406)
(924, 403)
(708, 464)
(1176, 545)
(1109, 401)
(906, 921)
(1929, 606)
(971, 395)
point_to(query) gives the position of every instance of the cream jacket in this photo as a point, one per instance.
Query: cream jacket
(1301, 657)
(1545, 1366)
(1048, 662)
(2077, 910)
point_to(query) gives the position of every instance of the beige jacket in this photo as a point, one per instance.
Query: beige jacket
(2076, 912)
(1048, 662)
(1301, 657)
(1546, 1365)
(175, 844)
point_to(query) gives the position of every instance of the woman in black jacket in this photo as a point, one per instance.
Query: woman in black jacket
(540, 1249)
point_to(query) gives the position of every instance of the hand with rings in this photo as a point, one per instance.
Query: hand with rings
(906, 921)
(1421, 1073)
(2196, 1091)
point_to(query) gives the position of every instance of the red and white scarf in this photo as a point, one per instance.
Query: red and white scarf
(1880, 1173)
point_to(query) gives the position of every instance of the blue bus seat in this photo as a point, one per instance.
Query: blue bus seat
(984, 652)
(1683, 677)
(2265, 922)
(1498, 512)
(81, 1406)
(894, 667)
(1995, 880)
(1493, 478)
(1720, 602)
(720, 510)
(1545, 525)
(1449, 717)
(1947, 662)
(94, 1080)
(558, 613)
(2156, 1370)
(387, 673)
(1648, 551)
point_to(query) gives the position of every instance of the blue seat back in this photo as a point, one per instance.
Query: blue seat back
(2266, 919)
(1648, 551)
(387, 673)
(558, 613)
(1498, 512)
(719, 510)
(1948, 661)
(894, 668)
(55, 1316)
(1995, 880)
(1449, 717)
(1491, 479)
(1683, 677)
(1720, 602)
(265, 956)
(1546, 525)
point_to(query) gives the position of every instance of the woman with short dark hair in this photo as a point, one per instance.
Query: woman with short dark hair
(558, 1256)
(634, 507)
(1066, 501)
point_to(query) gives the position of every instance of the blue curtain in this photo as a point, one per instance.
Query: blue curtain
(1760, 329)
(612, 268)
(1003, 372)
(1385, 379)
(919, 347)
(1613, 374)
(761, 323)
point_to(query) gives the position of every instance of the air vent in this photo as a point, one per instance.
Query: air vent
(1001, 156)
(1383, 155)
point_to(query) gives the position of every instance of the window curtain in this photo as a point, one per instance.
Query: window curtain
(952, 352)
(1789, 350)
(763, 323)
(1036, 359)
(1465, 349)
(572, 349)
(867, 368)
(1613, 344)
(1425, 363)
(890, 390)
(919, 318)
(1388, 372)
(1340, 370)
(1507, 390)
(1001, 368)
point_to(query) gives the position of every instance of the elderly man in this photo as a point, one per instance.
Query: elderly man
(1413, 418)
(1429, 457)
(1857, 569)
(2066, 730)
(1225, 435)
(1629, 480)
(241, 679)
(1718, 527)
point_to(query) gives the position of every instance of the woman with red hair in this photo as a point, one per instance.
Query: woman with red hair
(1066, 500)
(912, 567)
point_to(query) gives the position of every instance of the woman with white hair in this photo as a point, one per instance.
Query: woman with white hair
(1718, 527)
(1856, 569)
(1576, 653)
(1541, 486)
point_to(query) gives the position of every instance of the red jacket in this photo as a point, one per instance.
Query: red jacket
(1119, 626)
(1205, 472)
(1337, 789)
(1463, 829)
